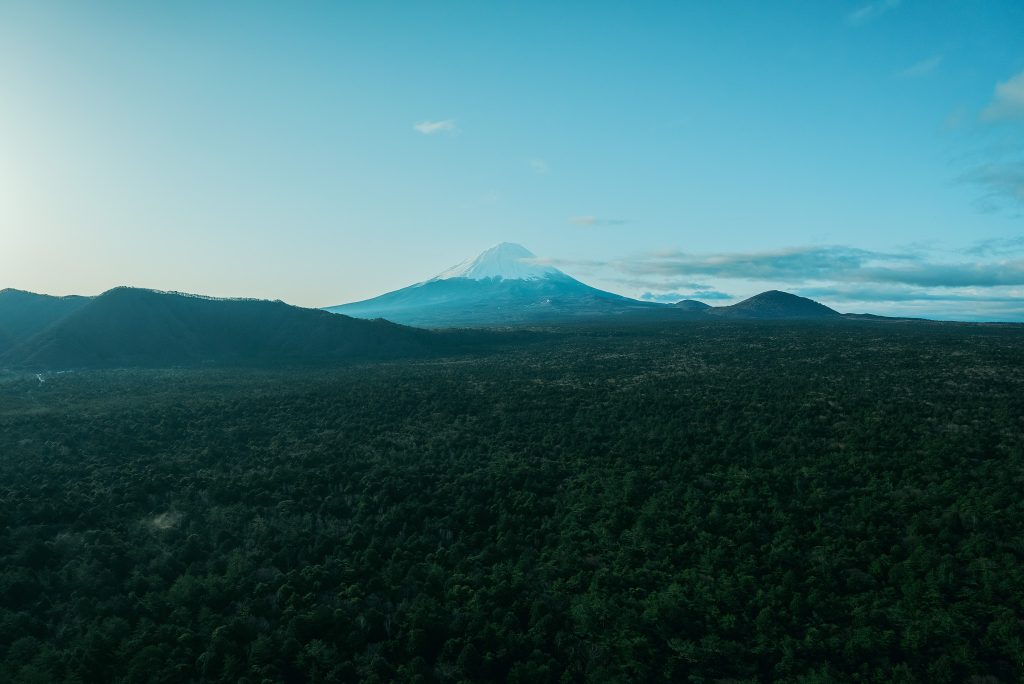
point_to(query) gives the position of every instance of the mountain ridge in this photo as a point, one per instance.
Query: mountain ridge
(24, 314)
(135, 327)
(505, 286)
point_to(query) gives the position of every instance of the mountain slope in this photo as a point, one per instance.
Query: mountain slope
(774, 304)
(132, 327)
(502, 286)
(24, 314)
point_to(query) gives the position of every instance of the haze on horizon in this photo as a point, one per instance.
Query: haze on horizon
(868, 154)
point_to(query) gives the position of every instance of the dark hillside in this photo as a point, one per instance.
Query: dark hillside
(775, 304)
(128, 327)
(24, 314)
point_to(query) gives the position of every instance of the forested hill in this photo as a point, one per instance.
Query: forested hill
(24, 314)
(130, 327)
(775, 305)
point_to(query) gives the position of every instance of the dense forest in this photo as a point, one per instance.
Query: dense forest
(713, 502)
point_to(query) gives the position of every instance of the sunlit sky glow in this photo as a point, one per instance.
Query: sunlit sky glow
(869, 154)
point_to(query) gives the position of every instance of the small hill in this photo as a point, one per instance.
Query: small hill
(691, 305)
(775, 304)
(129, 327)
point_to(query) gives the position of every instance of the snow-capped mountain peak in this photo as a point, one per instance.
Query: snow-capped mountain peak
(507, 261)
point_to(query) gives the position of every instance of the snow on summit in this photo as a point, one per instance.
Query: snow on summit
(507, 261)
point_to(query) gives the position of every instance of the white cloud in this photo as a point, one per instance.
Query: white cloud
(870, 11)
(1004, 181)
(433, 127)
(997, 246)
(540, 167)
(673, 297)
(922, 68)
(1000, 169)
(1008, 102)
(820, 264)
(590, 221)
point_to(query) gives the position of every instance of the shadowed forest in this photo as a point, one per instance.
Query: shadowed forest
(718, 502)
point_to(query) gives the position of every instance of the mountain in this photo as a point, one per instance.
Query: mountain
(507, 261)
(23, 314)
(506, 286)
(502, 286)
(128, 327)
(774, 304)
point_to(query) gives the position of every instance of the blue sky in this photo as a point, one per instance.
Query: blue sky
(868, 154)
